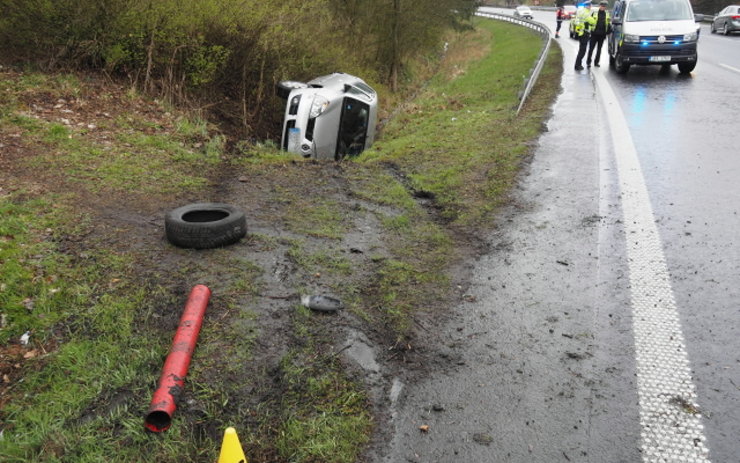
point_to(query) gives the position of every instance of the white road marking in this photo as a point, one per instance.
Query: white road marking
(671, 423)
(727, 66)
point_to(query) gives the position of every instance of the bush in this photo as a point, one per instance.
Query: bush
(227, 54)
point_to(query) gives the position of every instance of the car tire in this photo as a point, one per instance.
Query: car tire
(619, 65)
(205, 225)
(284, 87)
(712, 29)
(726, 31)
(685, 68)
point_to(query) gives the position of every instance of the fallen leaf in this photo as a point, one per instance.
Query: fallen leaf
(424, 428)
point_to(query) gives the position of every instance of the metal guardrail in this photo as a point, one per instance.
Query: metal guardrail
(534, 73)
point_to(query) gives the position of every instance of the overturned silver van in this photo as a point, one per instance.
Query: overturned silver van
(329, 117)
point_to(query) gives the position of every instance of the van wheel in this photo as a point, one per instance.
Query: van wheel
(619, 65)
(284, 87)
(205, 225)
(685, 68)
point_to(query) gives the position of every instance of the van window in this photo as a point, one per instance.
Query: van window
(660, 10)
(352, 127)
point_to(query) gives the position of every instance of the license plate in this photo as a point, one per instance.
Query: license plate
(660, 59)
(294, 138)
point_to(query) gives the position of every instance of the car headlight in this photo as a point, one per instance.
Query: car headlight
(630, 38)
(318, 106)
(690, 37)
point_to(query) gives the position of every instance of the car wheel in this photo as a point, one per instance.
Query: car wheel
(619, 65)
(205, 225)
(284, 87)
(726, 30)
(712, 29)
(685, 68)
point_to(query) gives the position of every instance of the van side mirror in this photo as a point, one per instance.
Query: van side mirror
(698, 18)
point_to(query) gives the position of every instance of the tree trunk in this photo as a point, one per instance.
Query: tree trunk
(395, 52)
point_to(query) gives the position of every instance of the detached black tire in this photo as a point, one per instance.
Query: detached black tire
(205, 225)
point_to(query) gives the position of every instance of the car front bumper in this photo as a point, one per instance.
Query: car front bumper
(667, 53)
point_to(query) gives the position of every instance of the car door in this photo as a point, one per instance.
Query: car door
(721, 20)
(725, 17)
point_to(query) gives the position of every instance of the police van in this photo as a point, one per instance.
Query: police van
(653, 32)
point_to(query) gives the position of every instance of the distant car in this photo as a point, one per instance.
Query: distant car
(523, 11)
(727, 20)
(569, 11)
(329, 117)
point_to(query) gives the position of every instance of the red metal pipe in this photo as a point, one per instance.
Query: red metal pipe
(159, 416)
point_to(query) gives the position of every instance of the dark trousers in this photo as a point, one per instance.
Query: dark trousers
(559, 23)
(595, 41)
(582, 46)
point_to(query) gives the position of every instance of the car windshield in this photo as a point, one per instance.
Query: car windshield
(523, 9)
(661, 10)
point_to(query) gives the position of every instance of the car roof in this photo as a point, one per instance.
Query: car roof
(337, 79)
(341, 83)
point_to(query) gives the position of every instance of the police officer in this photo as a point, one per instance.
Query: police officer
(601, 28)
(584, 23)
(559, 14)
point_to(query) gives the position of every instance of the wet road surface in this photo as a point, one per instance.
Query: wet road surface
(633, 194)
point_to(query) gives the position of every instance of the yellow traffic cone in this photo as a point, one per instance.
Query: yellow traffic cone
(231, 449)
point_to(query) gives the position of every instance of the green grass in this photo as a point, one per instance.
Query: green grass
(324, 418)
(33, 282)
(463, 143)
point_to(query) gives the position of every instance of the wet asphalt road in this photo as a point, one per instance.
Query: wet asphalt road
(542, 356)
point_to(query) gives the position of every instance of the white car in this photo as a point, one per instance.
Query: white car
(329, 117)
(523, 11)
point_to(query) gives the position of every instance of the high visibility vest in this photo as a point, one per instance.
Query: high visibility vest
(584, 21)
(607, 19)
